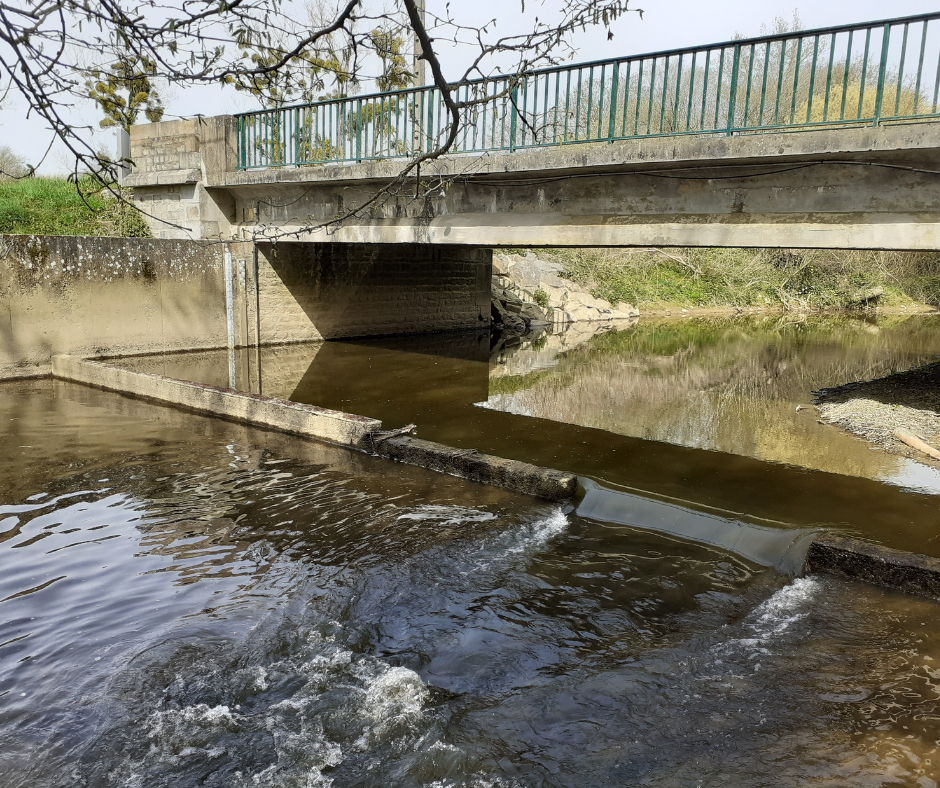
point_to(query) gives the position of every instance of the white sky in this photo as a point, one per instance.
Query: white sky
(666, 24)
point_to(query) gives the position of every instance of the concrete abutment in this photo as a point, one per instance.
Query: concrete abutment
(98, 297)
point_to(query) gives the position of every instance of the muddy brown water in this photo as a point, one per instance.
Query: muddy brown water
(185, 601)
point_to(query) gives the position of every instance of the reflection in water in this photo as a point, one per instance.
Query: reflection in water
(727, 385)
(190, 602)
(699, 411)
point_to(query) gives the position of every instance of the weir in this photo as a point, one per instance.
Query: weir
(268, 230)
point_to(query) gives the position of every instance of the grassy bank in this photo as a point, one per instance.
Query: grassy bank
(55, 206)
(792, 279)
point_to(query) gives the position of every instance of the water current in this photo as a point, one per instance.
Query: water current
(190, 602)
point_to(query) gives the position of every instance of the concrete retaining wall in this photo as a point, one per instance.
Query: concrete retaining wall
(107, 296)
(122, 296)
(324, 291)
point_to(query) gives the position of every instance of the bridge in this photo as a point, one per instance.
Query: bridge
(824, 138)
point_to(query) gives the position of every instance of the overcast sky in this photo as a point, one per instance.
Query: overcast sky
(666, 24)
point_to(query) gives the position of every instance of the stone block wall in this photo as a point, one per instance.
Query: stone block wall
(176, 166)
(326, 290)
(166, 147)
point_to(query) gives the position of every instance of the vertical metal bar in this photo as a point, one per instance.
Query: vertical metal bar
(613, 101)
(763, 85)
(897, 101)
(920, 68)
(600, 100)
(783, 58)
(812, 80)
(675, 107)
(548, 79)
(662, 101)
(587, 122)
(734, 87)
(936, 85)
(882, 71)
(861, 90)
(567, 96)
(708, 58)
(747, 93)
(626, 100)
(721, 73)
(577, 110)
(639, 95)
(512, 120)
(796, 78)
(555, 119)
(688, 111)
(832, 57)
(649, 119)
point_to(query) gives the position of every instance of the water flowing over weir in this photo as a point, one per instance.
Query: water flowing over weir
(186, 601)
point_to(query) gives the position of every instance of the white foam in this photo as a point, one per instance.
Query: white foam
(447, 515)
(784, 608)
(536, 535)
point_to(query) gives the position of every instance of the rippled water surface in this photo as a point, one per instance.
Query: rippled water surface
(187, 602)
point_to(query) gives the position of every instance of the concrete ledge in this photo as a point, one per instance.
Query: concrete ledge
(25, 371)
(484, 468)
(307, 420)
(163, 178)
(855, 558)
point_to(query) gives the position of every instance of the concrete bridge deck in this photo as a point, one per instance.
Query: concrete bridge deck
(868, 188)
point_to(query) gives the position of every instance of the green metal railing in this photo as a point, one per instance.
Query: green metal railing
(855, 75)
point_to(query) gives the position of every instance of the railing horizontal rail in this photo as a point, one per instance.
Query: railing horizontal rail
(850, 75)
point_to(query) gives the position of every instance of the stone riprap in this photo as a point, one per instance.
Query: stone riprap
(568, 301)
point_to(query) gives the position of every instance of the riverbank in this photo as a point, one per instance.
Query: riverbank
(881, 409)
(727, 281)
(56, 206)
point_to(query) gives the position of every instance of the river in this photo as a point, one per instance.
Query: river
(186, 601)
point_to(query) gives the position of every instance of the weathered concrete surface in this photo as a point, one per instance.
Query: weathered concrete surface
(855, 558)
(871, 188)
(125, 296)
(295, 418)
(331, 290)
(484, 468)
(99, 296)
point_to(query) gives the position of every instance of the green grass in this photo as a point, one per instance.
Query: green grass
(793, 279)
(55, 206)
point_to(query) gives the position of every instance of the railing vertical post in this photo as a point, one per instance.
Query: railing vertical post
(358, 122)
(882, 73)
(735, 64)
(512, 117)
(612, 109)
